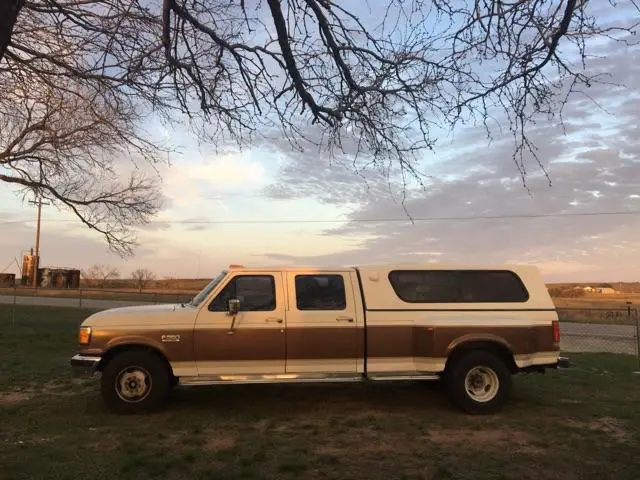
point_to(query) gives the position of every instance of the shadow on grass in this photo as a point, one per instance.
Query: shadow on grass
(385, 397)
(281, 400)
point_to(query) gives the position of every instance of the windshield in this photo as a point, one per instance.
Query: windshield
(204, 293)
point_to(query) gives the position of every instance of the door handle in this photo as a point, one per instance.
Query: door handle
(273, 320)
(344, 319)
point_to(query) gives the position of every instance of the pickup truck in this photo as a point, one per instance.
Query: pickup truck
(471, 326)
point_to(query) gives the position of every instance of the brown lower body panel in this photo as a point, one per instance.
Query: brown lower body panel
(320, 343)
(437, 342)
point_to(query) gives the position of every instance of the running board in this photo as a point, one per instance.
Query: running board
(407, 376)
(284, 378)
(300, 378)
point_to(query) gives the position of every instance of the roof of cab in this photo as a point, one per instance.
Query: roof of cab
(385, 266)
(291, 268)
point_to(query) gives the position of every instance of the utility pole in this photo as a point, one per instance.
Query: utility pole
(36, 263)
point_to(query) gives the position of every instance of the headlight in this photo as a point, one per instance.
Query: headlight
(84, 335)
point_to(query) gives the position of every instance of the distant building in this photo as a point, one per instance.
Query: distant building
(55, 277)
(7, 279)
(588, 289)
(605, 290)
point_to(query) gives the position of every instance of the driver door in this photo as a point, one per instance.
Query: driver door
(251, 342)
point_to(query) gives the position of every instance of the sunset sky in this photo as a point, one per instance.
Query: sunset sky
(270, 205)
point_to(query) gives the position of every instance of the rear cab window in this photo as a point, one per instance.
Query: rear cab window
(320, 292)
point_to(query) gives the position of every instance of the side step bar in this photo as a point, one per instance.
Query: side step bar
(300, 378)
(409, 376)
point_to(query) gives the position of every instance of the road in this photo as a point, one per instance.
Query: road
(574, 337)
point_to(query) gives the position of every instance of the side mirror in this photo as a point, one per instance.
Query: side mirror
(234, 306)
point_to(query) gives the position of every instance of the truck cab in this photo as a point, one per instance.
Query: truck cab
(472, 326)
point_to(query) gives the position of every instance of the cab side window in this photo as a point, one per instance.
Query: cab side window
(257, 293)
(320, 292)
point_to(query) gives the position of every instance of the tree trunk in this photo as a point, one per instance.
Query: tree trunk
(9, 10)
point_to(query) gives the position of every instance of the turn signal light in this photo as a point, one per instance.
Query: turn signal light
(84, 335)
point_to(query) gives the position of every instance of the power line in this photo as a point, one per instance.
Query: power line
(405, 219)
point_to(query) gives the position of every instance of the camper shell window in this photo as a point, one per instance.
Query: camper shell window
(458, 286)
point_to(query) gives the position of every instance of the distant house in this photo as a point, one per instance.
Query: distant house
(588, 289)
(605, 290)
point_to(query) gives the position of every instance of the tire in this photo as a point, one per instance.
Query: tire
(478, 382)
(135, 381)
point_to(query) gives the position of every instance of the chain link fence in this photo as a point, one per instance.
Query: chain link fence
(92, 298)
(600, 330)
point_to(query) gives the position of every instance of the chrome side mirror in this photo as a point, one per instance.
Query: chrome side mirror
(234, 306)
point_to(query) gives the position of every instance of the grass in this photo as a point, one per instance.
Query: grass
(579, 423)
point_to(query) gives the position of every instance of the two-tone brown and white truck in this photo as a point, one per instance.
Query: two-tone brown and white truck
(472, 326)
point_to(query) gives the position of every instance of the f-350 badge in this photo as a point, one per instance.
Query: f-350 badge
(171, 338)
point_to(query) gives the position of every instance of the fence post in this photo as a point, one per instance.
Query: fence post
(637, 338)
(13, 308)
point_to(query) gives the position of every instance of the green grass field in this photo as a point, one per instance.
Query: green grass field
(581, 423)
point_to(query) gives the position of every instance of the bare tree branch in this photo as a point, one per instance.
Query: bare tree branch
(377, 80)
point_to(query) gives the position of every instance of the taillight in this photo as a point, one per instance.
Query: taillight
(556, 331)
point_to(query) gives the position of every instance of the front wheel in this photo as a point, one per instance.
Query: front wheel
(135, 381)
(478, 382)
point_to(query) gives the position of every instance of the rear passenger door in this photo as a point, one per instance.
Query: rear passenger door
(323, 334)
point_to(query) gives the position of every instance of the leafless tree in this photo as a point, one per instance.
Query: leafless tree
(142, 276)
(70, 150)
(71, 137)
(376, 79)
(99, 274)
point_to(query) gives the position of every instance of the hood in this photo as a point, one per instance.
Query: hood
(160, 315)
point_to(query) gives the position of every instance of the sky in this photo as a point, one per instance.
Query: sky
(269, 205)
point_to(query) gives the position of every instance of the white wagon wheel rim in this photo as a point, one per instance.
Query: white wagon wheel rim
(133, 384)
(482, 384)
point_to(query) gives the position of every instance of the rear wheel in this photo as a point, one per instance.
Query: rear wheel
(478, 382)
(135, 381)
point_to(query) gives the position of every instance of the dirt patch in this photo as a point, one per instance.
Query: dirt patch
(495, 439)
(568, 401)
(263, 425)
(56, 388)
(217, 443)
(42, 440)
(479, 437)
(374, 446)
(609, 425)
(105, 441)
(14, 398)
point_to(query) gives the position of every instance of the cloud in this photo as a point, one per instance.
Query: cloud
(194, 182)
(593, 163)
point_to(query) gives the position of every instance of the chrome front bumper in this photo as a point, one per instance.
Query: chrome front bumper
(83, 365)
